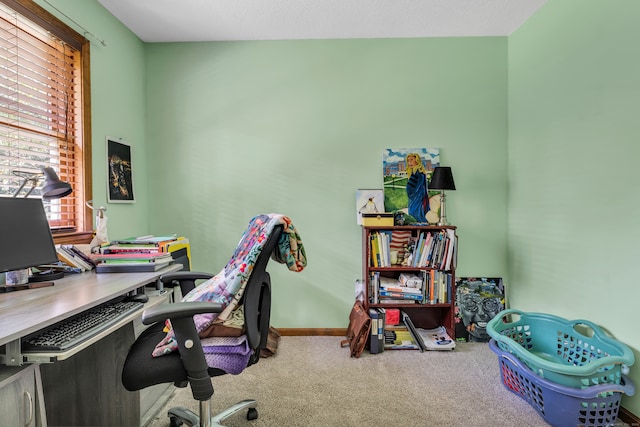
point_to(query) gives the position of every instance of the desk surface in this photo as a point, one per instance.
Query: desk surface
(27, 311)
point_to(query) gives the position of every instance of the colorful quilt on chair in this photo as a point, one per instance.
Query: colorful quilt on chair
(228, 285)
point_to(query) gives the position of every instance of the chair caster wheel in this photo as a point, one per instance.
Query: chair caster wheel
(252, 414)
(174, 422)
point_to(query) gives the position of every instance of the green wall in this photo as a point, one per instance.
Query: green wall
(240, 128)
(573, 155)
(118, 106)
(221, 131)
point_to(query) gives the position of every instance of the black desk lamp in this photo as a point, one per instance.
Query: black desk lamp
(52, 188)
(442, 179)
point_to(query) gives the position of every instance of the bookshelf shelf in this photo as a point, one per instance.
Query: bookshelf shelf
(432, 260)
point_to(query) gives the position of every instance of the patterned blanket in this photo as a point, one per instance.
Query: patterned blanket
(228, 285)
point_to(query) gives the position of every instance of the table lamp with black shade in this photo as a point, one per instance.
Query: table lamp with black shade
(441, 180)
(27, 239)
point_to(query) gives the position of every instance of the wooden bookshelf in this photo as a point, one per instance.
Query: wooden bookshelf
(437, 307)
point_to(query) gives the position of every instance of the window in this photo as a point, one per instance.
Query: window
(45, 111)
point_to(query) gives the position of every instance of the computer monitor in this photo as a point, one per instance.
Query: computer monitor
(26, 237)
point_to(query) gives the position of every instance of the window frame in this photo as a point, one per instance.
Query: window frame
(55, 26)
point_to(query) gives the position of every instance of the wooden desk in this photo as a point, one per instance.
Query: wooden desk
(84, 389)
(28, 311)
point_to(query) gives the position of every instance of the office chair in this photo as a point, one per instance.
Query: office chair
(188, 365)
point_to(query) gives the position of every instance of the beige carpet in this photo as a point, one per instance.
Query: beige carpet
(312, 382)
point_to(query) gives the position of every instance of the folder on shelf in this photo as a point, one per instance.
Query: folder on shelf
(412, 330)
(374, 344)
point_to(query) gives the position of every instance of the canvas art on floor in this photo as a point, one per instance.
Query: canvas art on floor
(406, 175)
(478, 300)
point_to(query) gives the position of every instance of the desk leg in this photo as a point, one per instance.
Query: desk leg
(41, 413)
(86, 389)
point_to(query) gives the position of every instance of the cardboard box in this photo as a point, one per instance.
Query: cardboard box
(377, 219)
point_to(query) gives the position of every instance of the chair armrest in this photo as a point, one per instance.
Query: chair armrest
(186, 279)
(179, 310)
(167, 278)
(186, 337)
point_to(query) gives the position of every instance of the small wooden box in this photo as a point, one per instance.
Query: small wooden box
(377, 219)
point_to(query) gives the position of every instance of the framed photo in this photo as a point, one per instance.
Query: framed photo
(119, 172)
(368, 201)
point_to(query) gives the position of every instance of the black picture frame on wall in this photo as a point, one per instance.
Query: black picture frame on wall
(119, 172)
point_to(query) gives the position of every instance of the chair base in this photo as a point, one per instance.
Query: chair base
(179, 416)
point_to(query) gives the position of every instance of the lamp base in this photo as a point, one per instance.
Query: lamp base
(443, 214)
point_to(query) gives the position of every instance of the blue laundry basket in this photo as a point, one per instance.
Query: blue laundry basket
(559, 405)
(575, 353)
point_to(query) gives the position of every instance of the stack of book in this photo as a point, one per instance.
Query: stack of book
(130, 262)
(392, 290)
(144, 244)
(401, 293)
(136, 254)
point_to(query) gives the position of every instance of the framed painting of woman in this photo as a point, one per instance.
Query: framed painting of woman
(406, 175)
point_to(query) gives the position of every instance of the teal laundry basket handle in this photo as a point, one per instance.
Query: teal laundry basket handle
(525, 324)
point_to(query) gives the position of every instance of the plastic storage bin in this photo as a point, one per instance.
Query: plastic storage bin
(559, 405)
(574, 353)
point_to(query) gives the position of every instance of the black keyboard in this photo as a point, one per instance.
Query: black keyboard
(73, 331)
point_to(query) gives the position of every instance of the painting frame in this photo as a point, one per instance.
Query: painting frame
(119, 171)
(368, 201)
(422, 207)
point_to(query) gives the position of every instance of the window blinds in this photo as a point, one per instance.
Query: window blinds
(39, 108)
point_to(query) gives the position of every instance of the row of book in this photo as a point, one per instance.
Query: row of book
(402, 334)
(138, 254)
(430, 287)
(75, 257)
(379, 243)
(435, 249)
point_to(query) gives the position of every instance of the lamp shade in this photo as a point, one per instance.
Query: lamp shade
(442, 179)
(53, 188)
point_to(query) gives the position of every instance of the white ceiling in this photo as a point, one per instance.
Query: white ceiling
(213, 20)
